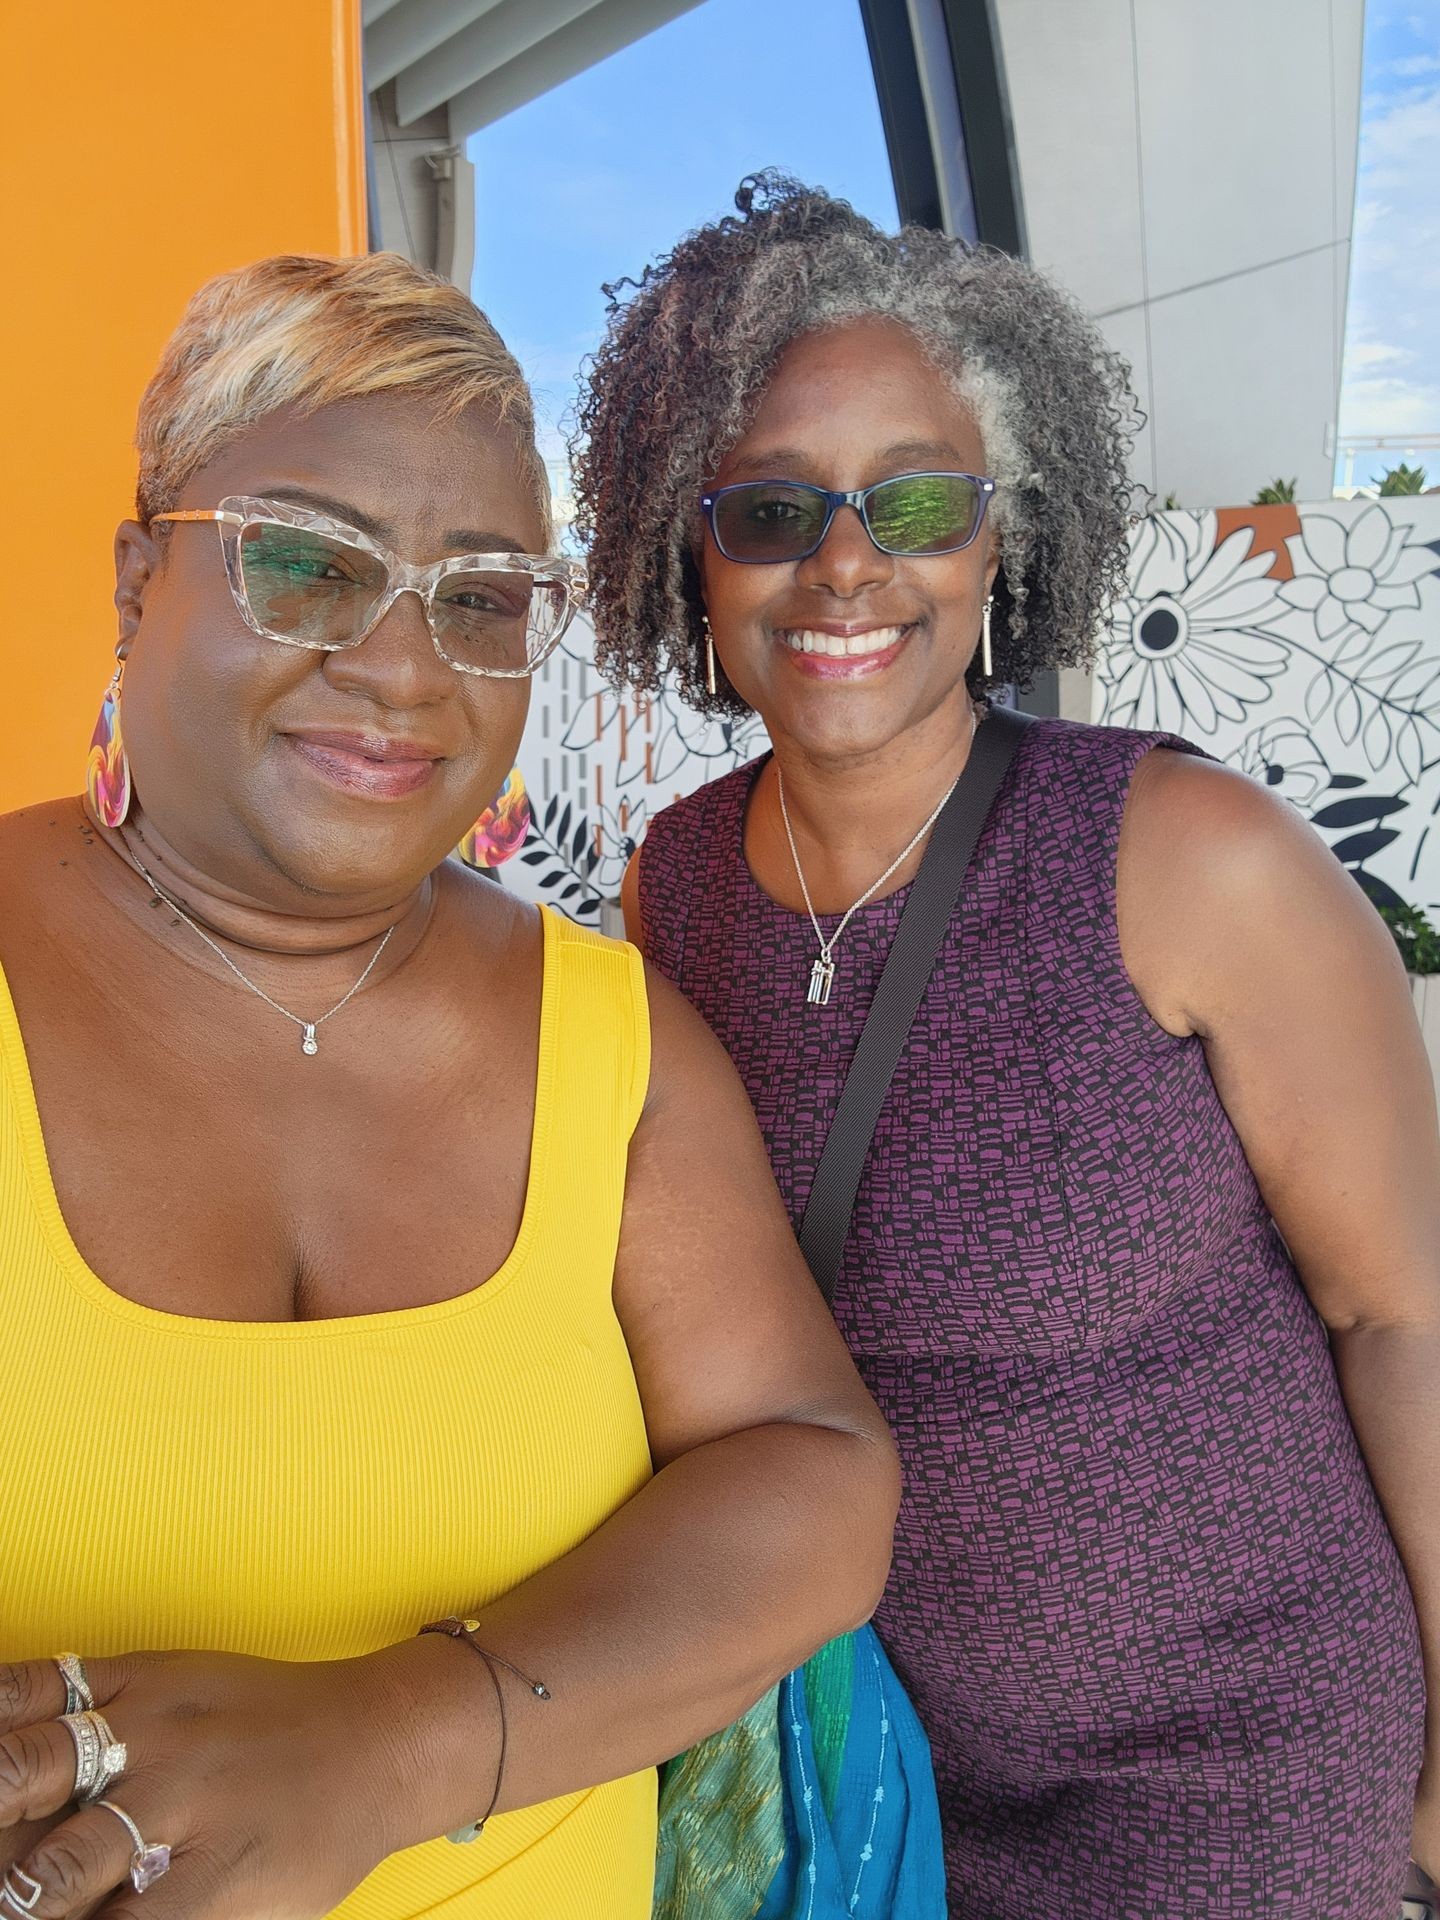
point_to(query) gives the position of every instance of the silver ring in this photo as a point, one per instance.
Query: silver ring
(100, 1758)
(78, 1697)
(24, 1901)
(147, 1862)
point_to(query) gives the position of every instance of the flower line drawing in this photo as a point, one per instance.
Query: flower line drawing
(1355, 576)
(1283, 754)
(1349, 581)
(1205, 632)
(653, 736)
(1186, 651)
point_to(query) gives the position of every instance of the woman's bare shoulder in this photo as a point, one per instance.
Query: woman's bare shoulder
(44, 820)
(1190, 822)
(1222, 884)
(38, 846)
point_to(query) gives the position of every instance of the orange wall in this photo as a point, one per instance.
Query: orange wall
(144, 145)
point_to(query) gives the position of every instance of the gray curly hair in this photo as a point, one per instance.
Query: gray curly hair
(686, 359)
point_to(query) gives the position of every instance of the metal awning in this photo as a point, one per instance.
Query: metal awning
(480, 59)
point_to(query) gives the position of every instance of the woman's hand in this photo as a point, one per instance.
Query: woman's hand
(275, 1785)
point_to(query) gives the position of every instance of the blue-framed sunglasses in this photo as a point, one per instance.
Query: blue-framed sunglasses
(766, 522)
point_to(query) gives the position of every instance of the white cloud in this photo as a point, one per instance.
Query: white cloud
(1393, 330)
(1376, 353)
(1386, 406)
(1404, 132)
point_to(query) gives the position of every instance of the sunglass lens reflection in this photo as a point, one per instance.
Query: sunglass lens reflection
(308, 587)
(924, 512)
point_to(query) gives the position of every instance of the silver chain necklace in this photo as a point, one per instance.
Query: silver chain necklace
(822, 973)
(308, 1043)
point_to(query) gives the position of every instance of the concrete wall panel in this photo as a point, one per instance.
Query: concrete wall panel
(1072, 104)
(1189, 172)
(1237, 135)
(1244, 384)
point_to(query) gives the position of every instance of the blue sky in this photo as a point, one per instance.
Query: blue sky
(569, 193)
(589, 182)
(1392, 340)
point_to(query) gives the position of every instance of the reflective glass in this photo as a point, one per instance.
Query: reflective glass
(760, 521)
(498, 622)
(767, 520)
(923, 512)
(309, 586)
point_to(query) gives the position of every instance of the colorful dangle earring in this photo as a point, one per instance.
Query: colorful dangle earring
(501, 829)
(709, 655)
(107, 772)
(987, 661)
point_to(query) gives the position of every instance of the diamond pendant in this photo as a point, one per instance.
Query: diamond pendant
(309, 1044)
(822, 978)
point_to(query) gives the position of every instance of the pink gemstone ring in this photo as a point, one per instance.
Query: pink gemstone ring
(147, 1862)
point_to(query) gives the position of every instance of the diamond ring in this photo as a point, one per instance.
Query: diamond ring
(78, 1697)
(99, 1757)
(147, 1862)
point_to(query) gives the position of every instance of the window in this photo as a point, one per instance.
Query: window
(584, 186)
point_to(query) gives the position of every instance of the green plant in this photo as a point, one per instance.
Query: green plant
(1279, 493)
(1170, 503)
(1402, 479)
(1417, 940)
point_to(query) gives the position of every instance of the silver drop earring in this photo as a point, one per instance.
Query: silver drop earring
(709, 655)
(987, 662)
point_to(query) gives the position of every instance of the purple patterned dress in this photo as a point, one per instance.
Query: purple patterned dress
(1143, 1595)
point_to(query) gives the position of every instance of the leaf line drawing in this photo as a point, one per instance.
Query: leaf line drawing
(562, 856)
(1401, 691)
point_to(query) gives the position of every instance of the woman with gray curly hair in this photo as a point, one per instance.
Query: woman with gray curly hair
(1113, 1272)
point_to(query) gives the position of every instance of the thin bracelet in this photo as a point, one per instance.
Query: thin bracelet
(466, 1630)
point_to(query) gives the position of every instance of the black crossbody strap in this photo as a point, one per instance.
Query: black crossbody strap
(906, 975)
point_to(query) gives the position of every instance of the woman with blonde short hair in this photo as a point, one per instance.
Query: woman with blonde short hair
(377, 1253)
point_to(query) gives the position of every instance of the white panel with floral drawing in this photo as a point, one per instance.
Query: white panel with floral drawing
(598, 765)
(1301, 644)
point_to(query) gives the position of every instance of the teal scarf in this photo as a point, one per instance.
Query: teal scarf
(819, 1804)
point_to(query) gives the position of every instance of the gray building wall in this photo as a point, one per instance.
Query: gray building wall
(1189, 173)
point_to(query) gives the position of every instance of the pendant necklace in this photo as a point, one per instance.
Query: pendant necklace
(822, 973)
(309, 1045)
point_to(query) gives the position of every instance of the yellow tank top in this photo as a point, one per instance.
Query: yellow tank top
(319, 1489)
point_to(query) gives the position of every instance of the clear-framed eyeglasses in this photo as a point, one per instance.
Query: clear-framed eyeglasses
(307, 580)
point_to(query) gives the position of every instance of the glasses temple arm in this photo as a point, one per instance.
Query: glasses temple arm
(202, 513)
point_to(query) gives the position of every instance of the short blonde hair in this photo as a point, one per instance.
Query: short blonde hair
(304, 330)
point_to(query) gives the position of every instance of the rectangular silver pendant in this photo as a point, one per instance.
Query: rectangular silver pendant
(822, 977)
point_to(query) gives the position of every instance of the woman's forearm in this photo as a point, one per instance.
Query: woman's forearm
(1390, 1376)
(730, 1567)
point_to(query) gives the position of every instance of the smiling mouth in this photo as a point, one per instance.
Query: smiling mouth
(386, 772)
(837, 646)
